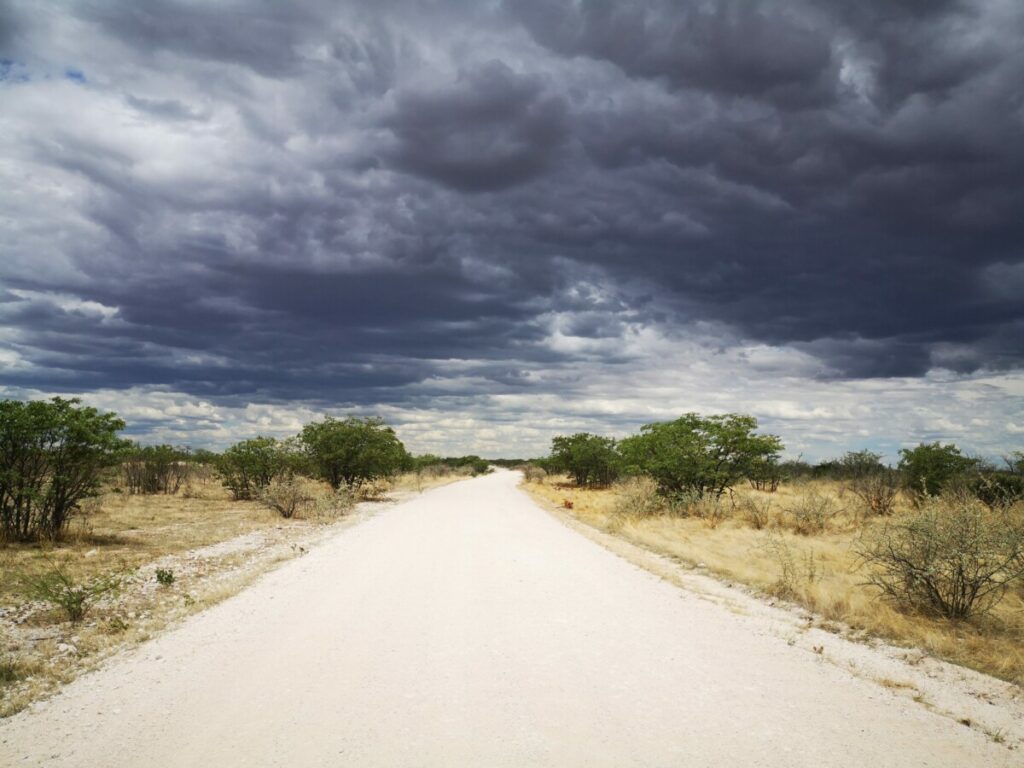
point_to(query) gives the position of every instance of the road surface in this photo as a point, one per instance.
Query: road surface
(468, 627)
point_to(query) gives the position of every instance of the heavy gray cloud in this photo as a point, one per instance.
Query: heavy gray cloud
(425, 206)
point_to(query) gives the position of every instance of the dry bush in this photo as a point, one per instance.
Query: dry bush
(794, 567)
(713, 511)
(877, 491)
(287, 496)
(757, 512)
(637, 497)
(811, 513)
(534, 474)
(954, 557)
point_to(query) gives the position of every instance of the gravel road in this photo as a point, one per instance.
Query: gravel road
(468, 627)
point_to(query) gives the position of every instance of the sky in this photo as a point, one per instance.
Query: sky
(495, 222)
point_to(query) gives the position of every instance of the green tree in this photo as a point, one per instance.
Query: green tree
(52, 456)
(699, 456)
(931, 468)
(155, 468)
(854, 464)
(590, 459)
(248, 467)
(352, 451)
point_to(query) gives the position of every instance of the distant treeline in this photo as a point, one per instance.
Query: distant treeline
(56, 453)
(697, 456)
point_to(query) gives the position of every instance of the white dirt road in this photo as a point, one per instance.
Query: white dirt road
(468, 627)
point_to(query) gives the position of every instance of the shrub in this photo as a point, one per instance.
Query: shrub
(534, 474)
(757, 512)
(997, 488)
(638, 497)
(60, 590)
(590, 459)
(246, 468)
(287, 496)
(930, 469)
(954, 557)
(811, 512)
(164, 577)
(352, 451)
(877, 490)
(52, 456)
(765, 475)
(713, 510)
(155, 469)
(10, 672)
(699, 456)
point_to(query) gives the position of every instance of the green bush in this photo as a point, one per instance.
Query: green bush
(60, 590)
(590, 459)
(52, 456)
(697, 456)
(352, 451)
(248, 467)
(954, 557)
(155, 469)
(931, 468)
(164, 577)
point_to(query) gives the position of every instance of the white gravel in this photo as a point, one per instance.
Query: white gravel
(468, 627)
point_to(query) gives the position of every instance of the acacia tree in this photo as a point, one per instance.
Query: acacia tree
(52, 456)
(699, 456)
(590, 459)
(352, 451)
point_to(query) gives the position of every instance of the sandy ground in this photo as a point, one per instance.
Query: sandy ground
(470, 627)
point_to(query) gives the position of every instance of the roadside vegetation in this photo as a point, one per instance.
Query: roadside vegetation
(928, 553)
(103, 542)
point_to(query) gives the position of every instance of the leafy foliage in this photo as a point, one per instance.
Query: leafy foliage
(697, 456)
(60, 589)
(590, 459)
(931, 468)
(248, 467)
(155, 469)
(352, 451)
(52, 456)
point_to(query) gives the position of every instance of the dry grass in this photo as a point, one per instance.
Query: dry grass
(802, 551)
(214, 547)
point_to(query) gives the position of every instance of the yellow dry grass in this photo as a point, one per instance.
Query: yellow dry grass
(819, 571)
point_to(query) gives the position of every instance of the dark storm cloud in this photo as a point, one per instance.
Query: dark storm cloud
(332, 203)
(489, 130)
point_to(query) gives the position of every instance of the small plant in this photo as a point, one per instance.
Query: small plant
(116, 625)
(712, 510)
(9, 672)
(812, 512)
(756, 512)
(953, 558)
(164, 577)
(779, 550)
(59, 589)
